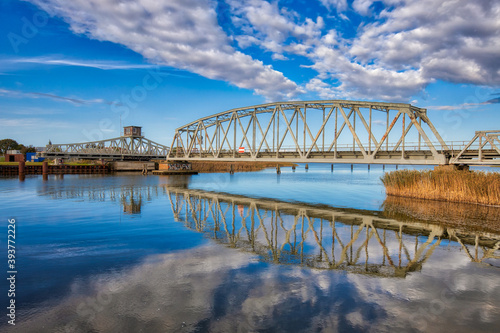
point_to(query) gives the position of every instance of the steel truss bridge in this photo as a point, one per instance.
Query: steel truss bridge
(322, 237)
(335, 131)
(121, 148)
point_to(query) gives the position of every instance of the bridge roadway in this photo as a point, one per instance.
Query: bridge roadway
(322, 237)
(411, 157)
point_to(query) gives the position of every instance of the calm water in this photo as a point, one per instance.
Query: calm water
(251, 252)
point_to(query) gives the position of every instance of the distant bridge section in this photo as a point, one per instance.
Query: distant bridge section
(131, 146)
(335, 131)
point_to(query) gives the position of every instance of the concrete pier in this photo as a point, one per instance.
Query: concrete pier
(132, 166)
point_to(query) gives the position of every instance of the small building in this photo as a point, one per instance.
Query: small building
(14, 156)
(32, 157)
(134, 131)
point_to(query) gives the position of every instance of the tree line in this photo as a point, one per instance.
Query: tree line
(9, 144)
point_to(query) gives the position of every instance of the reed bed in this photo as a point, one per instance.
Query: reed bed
(219, 166)
(476, 187)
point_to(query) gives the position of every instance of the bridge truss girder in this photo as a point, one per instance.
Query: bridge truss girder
(218, 137)
(483, 148)
(124, 147)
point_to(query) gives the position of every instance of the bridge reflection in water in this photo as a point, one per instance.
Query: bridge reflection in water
(322, 237)
(392, 242)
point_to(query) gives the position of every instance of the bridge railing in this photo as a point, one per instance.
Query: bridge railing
(130, 146)
(454, 146)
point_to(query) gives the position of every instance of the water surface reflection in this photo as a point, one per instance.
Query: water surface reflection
(323, 237)
(268, 266)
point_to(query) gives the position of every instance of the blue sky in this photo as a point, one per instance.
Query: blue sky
(70, 71)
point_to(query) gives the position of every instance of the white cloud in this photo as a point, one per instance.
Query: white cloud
(272, 28)
(394, 55)
(33, 123)
(362, 6)
(455, 41)
(183, 34)
(411, 46)
(54, 61)
(339, 5)
(73, 100)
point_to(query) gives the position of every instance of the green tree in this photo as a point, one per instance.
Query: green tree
(8, 144)
(26, 149)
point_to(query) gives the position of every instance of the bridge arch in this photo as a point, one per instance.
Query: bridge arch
(333, 131)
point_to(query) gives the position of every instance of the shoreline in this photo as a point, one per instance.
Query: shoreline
(237, 166)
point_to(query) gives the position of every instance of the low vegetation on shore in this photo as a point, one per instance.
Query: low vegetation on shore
(216, 166)
(450, 185)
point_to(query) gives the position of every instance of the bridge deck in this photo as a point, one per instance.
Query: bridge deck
(412, 157)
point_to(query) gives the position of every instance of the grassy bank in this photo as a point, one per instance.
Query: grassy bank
(216, 166)
(50, 163)
(17, 163)
(450, 185)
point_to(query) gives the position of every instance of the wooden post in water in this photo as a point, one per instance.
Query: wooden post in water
(307, 166)
(352, 167)
(332, 167)
(22, 165)
(278, 169)
(368, 167)
(45, 168)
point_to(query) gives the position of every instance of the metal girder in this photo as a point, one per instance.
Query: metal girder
(476, 153)
(293, 131)
(117, 148)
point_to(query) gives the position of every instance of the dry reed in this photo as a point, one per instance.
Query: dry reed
(219, 166)
(476, 187)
